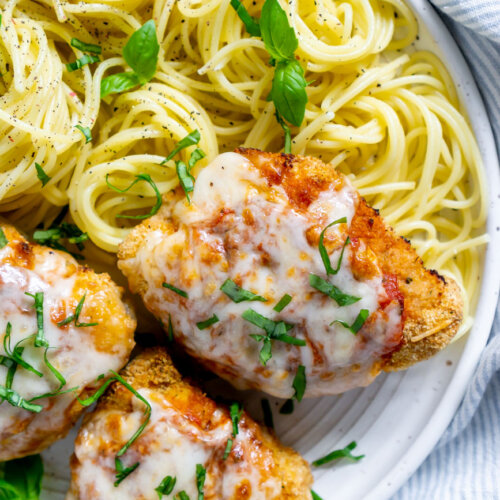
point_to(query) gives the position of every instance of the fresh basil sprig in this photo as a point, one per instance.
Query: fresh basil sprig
(288, 88)
(141, 54)
(21, 479)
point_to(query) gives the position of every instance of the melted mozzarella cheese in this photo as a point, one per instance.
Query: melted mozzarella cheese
(171, 445)
(72, 351)
(239, 227)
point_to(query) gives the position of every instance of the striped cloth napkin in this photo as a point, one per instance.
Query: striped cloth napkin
(465, 464)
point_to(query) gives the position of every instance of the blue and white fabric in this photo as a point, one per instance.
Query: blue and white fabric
(465, 464)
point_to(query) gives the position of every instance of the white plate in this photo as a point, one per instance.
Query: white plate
(400, 417)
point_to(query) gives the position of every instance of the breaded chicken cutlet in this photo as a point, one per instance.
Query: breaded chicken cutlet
(277, 270)
(189, 440)
(61, 326)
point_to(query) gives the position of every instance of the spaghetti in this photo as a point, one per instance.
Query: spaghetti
(380, 111)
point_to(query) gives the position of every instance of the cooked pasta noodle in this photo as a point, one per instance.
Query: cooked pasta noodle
(380, 111)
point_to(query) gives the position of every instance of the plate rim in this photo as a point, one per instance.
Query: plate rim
(477, 339)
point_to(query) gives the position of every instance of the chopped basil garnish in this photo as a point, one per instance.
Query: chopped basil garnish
(190, 140)
(343, 453)
(201, 474)
(21, 479)
(86, 133)
(283, 302)
(42, 176)
(180, 292)
(51, 237)
(11, 366)
(288, 91)
(15, 354)
(85, 47)
(227, 450)
(324, 253)
(358, 322)
(287, 407)
(15, 399)
(121, 471)
(139, 178)
(82, 61)
(186, 180)
(3, 239)
(299, 385)
(235, 412)
(170, 330)
(268, 414)
(275, 330)
(40, 335)
(141, 54)
(251, 25)
(238, 294)
(202, 325)
(315, 496)
(323, 286)
(166, 486)
(197, 155)
(75, 317)
(182, 495)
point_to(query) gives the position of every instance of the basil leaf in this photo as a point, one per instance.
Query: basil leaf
(265, 353)
(21, 479)
(82, 61)
(287, 407)
(324, 253)
(166, 486)
(51, 237)
(235, 412)
(202, 325)
(251, 24)
(358, 322)
(279, 37)
(336, 454)
(123, 472)
(182, 293)
(15, 354)
(299, 383)
(201, 474)
(85, 47)
(195, 157)
(86, 133)
(75, 317)
(268, 414)
(3, 239)
(332, 291)
(40, 335)
(190, 140)
(119, 82)
(238, 294)
(283, 302)
(42, 176)
(268, 325)
(139, 178)
(15, 399)
(186, 180)
(141, 51)
(288, 91)
(228, 448)
(182, 495)
(315, 496)
(288, 339)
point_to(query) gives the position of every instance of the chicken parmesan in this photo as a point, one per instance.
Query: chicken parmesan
(189, 445)
(274, 271)
(61, 326)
